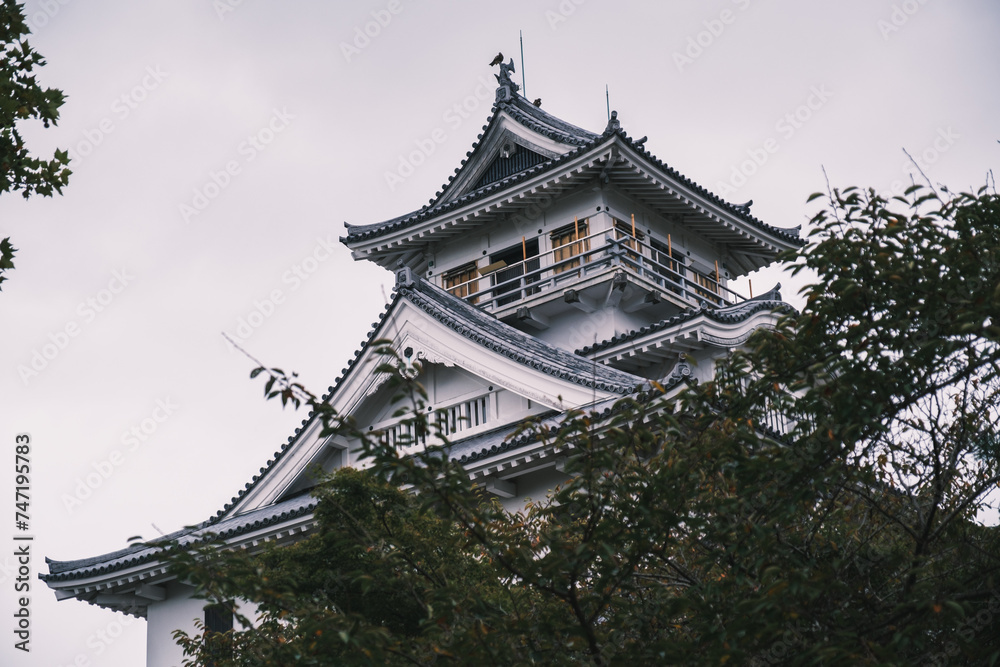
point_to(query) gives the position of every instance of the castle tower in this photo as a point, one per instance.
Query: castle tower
(557, 269)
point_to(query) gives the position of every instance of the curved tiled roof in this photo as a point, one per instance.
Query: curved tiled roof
(482, 328)
(491, 333)
(523, 112)
(554, 128)
(312, 414)
(143, 553)
(546, 124)
(769, 301)
(466, 450)
(790, 235)
(362, 232)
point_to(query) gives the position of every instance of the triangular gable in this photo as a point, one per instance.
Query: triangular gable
(517, 136)
(513, 160)
(432, 326)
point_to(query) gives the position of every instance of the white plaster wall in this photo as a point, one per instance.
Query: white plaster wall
(535, 486)
(178, 611)
(448, 385)
(575, 329)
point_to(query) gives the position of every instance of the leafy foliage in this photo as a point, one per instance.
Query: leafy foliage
(816, 503)
(22, 98)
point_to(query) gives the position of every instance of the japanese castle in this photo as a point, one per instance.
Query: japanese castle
(557, 269)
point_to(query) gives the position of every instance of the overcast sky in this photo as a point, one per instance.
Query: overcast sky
(219, 147)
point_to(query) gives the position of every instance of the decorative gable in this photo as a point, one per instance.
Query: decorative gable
(496, 374)
(513, 159)
(515, 125)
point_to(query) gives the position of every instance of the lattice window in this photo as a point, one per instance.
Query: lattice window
(568, 242)
(706, 287)
(451, 420)
(463, 281)
(668, 264)
(623, 230)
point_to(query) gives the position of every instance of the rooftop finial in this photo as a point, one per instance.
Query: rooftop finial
(507, 88)
(613, 124)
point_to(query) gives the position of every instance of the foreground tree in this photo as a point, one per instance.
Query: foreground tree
(689, 531)
(22, 98)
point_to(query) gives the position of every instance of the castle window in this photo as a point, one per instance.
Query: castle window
(668, 264)
(623, 230)
(568, 242)
(218, 622)
(516, 261)
(463, 281)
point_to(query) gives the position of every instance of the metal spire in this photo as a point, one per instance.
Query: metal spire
(524, 88)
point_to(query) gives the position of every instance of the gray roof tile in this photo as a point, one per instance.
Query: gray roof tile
(735, 313)
(489, 332)
(536, 119)
(144, 553)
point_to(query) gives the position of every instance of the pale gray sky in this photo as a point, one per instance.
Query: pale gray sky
(220, 145)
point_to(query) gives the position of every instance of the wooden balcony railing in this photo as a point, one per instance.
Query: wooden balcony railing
(587, 256)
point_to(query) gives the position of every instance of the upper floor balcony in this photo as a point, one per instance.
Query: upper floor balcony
(580, 265)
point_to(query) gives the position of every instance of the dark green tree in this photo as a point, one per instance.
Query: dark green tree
(816, 503)
(21, 99)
